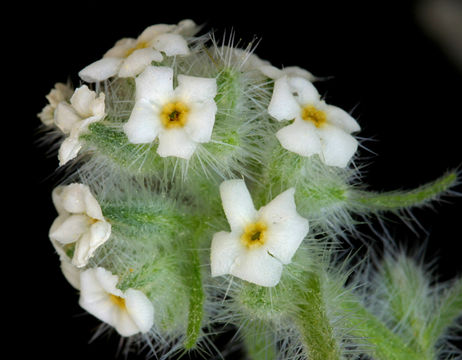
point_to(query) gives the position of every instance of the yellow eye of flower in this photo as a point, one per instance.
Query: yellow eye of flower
(140, 45)
(117, 300)
(174, 114)
(254, 235)
(310, 113)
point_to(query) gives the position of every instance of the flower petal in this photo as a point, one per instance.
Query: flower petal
(303, 90)
(144, 123)
(271, 71)
(140, 309)
(97, 107)
(138, 61)
(83, 251)
(283, 105)
(65, 117)
(176, 142)
(171, 44)
(280, 209)
(338, 147)
(225, 248)
(82, 101)
(77, 198)
(300, 137)
(186, 27)
(73, 197)
(68, 150)
(94, 296)
(69, 229)
(101, 70)
(92, 289)
(237, 204)
(286, 228)
(196, 89)
(124, 324)
(340, 118)
(155, 84)
(47, 115)
(71, 273)
(291, 71)
(121, 48)
(153, 31)
(56, 197)
(86, 246)
(201, 119)
(295, 71)
(258, 267)
(61, 92)
(100, 232)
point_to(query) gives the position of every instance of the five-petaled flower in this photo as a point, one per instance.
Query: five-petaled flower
(129, 56)
(80, 227)
(129, 312)
(181, 117)
(318, 128)
(73, 119)
(260, 242)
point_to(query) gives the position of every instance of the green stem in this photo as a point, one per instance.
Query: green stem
(259, 341)
(395, 200)
(196, 293)
(313, 324)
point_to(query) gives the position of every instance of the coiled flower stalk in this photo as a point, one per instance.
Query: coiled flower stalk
(207, 188)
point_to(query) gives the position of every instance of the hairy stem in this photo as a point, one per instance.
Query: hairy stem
(313, 324)
(196, 300)
(395, 200)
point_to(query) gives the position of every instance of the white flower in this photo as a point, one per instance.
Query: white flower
(80, 223)
(129, 56)
(61, 92)
(260, 242)
(73, 119)
(318, 128)
(180, 118)
(129, 312)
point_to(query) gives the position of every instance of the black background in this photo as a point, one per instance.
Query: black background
(398, 82)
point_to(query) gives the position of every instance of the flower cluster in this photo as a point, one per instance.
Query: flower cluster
(177, 140)
(176, 112)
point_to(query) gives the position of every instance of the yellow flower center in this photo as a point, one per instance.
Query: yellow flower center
(174, 115)
(140, 45)
(117, 300)
(92, 220)
(310, 113)
(254, 235)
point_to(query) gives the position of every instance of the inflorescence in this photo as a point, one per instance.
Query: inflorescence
(206, 188)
